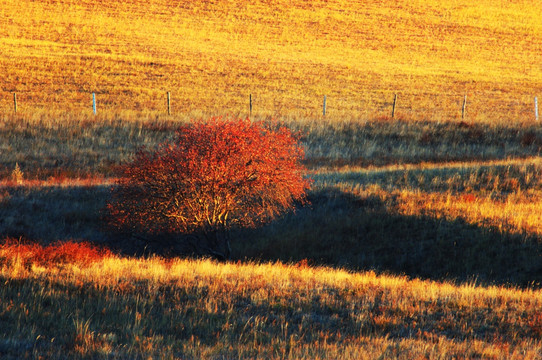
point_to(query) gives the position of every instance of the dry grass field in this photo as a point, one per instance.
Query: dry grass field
(423, 237)
(212, 54)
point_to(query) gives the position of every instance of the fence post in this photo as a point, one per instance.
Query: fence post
(168, 103)
(393, 107)
(250, 104)
(325, 100)
(464, 107)
(15, 102)
(536, 107)
(94, 103)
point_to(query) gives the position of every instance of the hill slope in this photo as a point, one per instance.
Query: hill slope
(212, 54)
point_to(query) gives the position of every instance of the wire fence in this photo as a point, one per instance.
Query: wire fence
(473, 106)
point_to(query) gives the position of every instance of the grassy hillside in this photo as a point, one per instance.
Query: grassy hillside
(423, 233)
(74, 301)
(212, 54)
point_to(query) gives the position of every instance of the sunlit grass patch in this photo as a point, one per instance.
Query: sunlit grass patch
(429, 220)
(500, 194)
(515, 213)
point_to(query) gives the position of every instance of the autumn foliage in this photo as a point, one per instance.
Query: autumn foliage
(68, 252)
(214, 176)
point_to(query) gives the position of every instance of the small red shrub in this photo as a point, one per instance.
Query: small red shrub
(215, 176)
(72, 252)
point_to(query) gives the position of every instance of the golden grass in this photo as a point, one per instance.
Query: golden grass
(60, 182)
(275, 277)
(268, 310)
(519, 213)
(212, 55)
(501, 200)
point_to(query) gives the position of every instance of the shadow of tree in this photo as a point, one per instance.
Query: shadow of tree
(341, 229)
(51, 213)
(338, 229)
(47, 214)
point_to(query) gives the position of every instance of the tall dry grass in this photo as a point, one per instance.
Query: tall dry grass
(113, 307)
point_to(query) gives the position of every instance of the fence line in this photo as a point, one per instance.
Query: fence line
(536, 108)
(394, 104)
(464, 108)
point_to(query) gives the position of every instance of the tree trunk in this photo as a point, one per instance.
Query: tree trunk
(218, 245)
(227, 247)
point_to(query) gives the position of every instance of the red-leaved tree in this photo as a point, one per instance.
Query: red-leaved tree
(216, 175)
